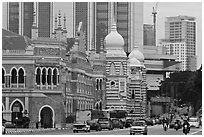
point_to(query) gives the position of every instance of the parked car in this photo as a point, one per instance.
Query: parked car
(105, 123)
(94, 125)
(194, 122)
(3, 129)
(149, 121)
(117, 123)
(179, 121)
(81, 126)
(138, 127)
(128, 123)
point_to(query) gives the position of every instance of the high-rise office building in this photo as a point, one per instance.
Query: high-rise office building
(98, 16)
(18, 17)
(179, 49)
(182, 29)
(148, 35)
(45, 19)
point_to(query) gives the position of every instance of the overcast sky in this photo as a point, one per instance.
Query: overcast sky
(165, 9)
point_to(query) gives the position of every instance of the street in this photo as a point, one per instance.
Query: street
(152, 130)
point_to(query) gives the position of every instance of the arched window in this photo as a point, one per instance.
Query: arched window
(55, 76)
(112, 69)
(13, 76)
(100, 85)
(38, 76)
(21, 76)
(97, 84)
(121, 69)
(43, 76)
(49, 76)
(3, 76)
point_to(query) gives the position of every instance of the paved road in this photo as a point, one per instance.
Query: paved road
(152, 130)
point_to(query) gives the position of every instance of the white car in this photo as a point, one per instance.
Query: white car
(3, 129)
(194, 122)
(81, 126)
(138, 127)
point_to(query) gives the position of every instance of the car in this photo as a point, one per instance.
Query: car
(128, 123)
(194, 122)
(81, 126)
(106, 123)
(138, 127)
(3, 129)
(117, 123)
(94, 125)
(172, 123)
(149, 121)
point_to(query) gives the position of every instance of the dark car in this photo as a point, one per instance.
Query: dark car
(117, 123)
(149, 122)
(172, 123)
(94, 125)
(128, 123)
(105, 123)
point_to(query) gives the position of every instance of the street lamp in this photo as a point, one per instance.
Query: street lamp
(16, 122)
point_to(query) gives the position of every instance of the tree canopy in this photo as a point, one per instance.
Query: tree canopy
(188, 86)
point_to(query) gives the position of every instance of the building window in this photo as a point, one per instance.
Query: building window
(21, 76)
(3, 76)
(38, 76)
(55, 76)
(100, 85)
(112, 84)
(121, 69)
(14, 76)
(112, 69)
(122, 87)
(97, 84)
(43, 76)
(49, 76)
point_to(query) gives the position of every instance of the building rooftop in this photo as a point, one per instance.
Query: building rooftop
(13, 41)
(180, 17)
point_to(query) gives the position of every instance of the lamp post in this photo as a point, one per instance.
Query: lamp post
(16, 121)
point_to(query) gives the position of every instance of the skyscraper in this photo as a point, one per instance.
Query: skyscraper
(182, 29)
(18, 17)
(100, 15)
(148, 35)
(45, 19)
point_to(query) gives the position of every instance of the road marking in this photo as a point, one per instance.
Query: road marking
(195, 132)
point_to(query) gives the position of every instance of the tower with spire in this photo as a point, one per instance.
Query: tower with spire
(137, 82)
(60, 33)
(116, 71)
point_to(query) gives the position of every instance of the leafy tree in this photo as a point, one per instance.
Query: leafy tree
(188, 86)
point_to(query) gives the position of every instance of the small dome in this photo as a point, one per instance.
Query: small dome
(134, 62)
(136, 54)
(114, 39)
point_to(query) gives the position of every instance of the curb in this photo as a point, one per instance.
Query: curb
(33, 130)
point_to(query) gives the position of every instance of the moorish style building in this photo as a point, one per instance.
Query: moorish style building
(41, 80)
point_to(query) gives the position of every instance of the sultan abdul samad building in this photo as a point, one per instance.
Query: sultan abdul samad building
(47, 79)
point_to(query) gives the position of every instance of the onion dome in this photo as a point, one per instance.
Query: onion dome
(134, 62)
(114, 40)
(136, 54)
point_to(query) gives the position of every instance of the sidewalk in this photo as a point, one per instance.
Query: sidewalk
(24, 130)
